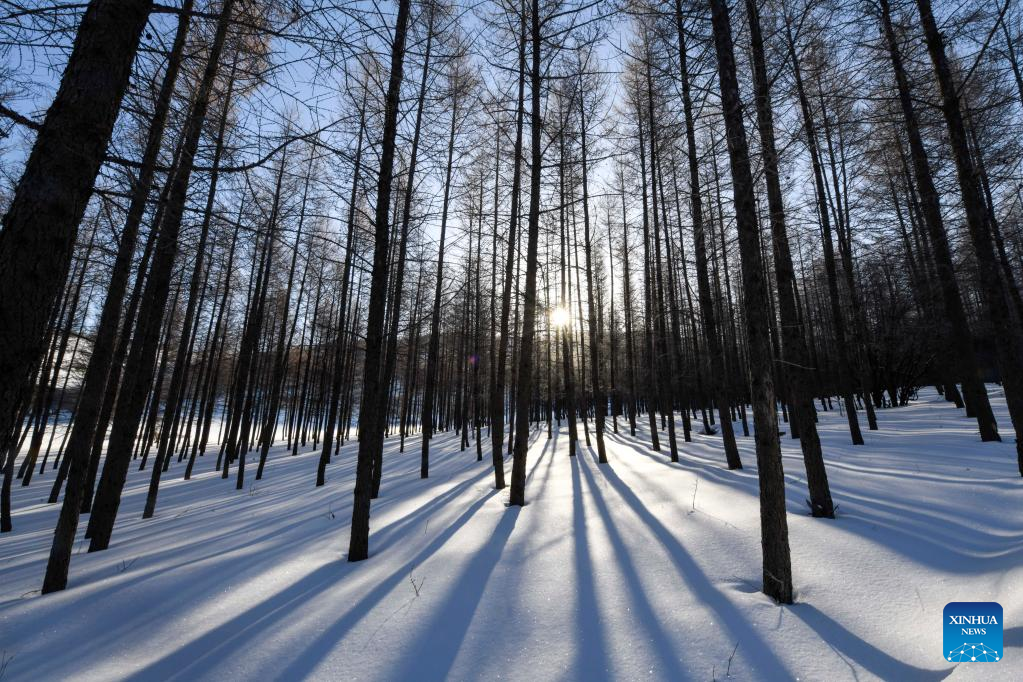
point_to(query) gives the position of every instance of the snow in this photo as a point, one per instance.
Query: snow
(639, 569)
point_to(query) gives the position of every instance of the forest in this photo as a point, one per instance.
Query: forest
(693, 326)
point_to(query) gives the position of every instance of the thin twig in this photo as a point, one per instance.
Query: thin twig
(729, 669)
(5, 662)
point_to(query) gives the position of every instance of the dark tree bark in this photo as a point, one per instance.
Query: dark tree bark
(433, 348)
(371, 423)
(94, 382)
(41, 224)
(60, 333)
(663, 363)
(284, 339)
(777, 573)
(599, 398)
(391, 355)
(653, 395)
(178, 377)
(717, 365)
(497, 388)
(840, 211)
(246, 372)
(630, 352)
(1006, 330)
(569, 403)
(795, 356)
(837, 315)
(964, 356)
(477, 340)
(336, 379)
(611, 330)
(142, 356)
(524, 392)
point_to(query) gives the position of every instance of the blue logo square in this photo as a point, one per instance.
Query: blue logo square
(972, 632)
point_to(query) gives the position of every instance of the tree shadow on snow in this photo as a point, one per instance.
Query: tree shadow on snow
(591, 660)
(908, 525)
(207, 649)
(432, 657)
(756, 650)
(665, 648)
(434, 654)
(851, 647)
(1013, 637)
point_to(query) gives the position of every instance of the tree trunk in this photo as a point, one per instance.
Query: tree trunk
(371, 423)
(717, 365)
(433, 348)
(1006, 331)
(41, 223)
(142, 356)
(795, 357)
(838, 317)
(497, 389)
(777, 573)
(524, 388)
(599, 398)
(338, 375)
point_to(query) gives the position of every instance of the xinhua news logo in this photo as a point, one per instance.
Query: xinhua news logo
(973, 632)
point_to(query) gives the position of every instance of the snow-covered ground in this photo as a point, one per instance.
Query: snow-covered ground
(639, 569)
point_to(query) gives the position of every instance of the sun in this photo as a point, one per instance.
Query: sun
(560, 317)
